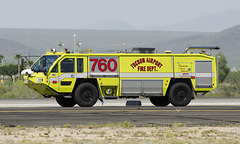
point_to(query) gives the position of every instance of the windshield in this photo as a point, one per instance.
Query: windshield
(38, 65)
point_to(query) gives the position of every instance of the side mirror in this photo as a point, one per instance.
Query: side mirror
(35, 69)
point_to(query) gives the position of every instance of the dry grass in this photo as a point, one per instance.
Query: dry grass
(118, 134)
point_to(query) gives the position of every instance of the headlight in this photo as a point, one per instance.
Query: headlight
(26, 80)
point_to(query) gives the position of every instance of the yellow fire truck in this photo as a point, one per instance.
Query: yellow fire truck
(77, 78)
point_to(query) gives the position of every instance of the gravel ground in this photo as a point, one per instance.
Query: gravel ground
(120, 134)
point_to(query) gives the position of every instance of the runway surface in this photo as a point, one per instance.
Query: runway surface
(46, 112)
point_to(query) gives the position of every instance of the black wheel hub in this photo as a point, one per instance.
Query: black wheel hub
(181, 95)
(87, 96)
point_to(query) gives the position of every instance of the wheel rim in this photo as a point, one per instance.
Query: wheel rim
(181, 95)
(87, 96)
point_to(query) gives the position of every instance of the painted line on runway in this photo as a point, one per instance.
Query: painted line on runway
(177, 110)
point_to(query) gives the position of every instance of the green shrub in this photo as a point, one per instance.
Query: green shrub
(19, 90)
(231, 86)
(3, 89)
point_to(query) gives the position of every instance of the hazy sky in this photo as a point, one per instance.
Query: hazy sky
(75, 14)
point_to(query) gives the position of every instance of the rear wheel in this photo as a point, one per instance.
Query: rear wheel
(180, 94)
(65, 102)
(159, 101)
(86, 95)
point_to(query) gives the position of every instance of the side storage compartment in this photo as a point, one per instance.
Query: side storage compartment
(203, 72)
(141, 87)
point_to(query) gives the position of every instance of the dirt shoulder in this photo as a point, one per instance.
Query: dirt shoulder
(116, 134)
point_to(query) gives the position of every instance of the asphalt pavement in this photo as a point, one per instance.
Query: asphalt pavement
(46, 112)
(51, 102)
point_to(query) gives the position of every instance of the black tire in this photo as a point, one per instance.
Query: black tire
(65, 102)
(159, 101)
(180, 94)
(86, 95)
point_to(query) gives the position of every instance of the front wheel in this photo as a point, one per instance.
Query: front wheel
(180, 94)
(159, 101)
(65, 102)
(86, 95)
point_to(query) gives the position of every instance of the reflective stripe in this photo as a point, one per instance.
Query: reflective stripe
(103, 74)
(143, 75)
(195, 74)
(205, 75)
(68, 75)
(81, 75)
(131, 75)
(184, 74)
(51, 79)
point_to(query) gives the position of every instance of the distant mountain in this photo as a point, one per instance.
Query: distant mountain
(228, 40)
(209, 23)
(38, 41)
(97, 40)
(109, 25)
(11, 48)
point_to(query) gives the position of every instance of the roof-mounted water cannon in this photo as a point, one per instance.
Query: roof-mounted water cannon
(63, 49)
(202, 48)
(61, 44)
(78, 44)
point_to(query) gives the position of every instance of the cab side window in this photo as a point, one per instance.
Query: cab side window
(67, 65)
(80, 65)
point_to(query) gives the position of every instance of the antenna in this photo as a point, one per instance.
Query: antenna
(74, 39)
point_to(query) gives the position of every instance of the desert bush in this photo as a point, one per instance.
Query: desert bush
(19, 90)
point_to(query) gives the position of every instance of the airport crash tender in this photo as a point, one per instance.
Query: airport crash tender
(78, 78)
